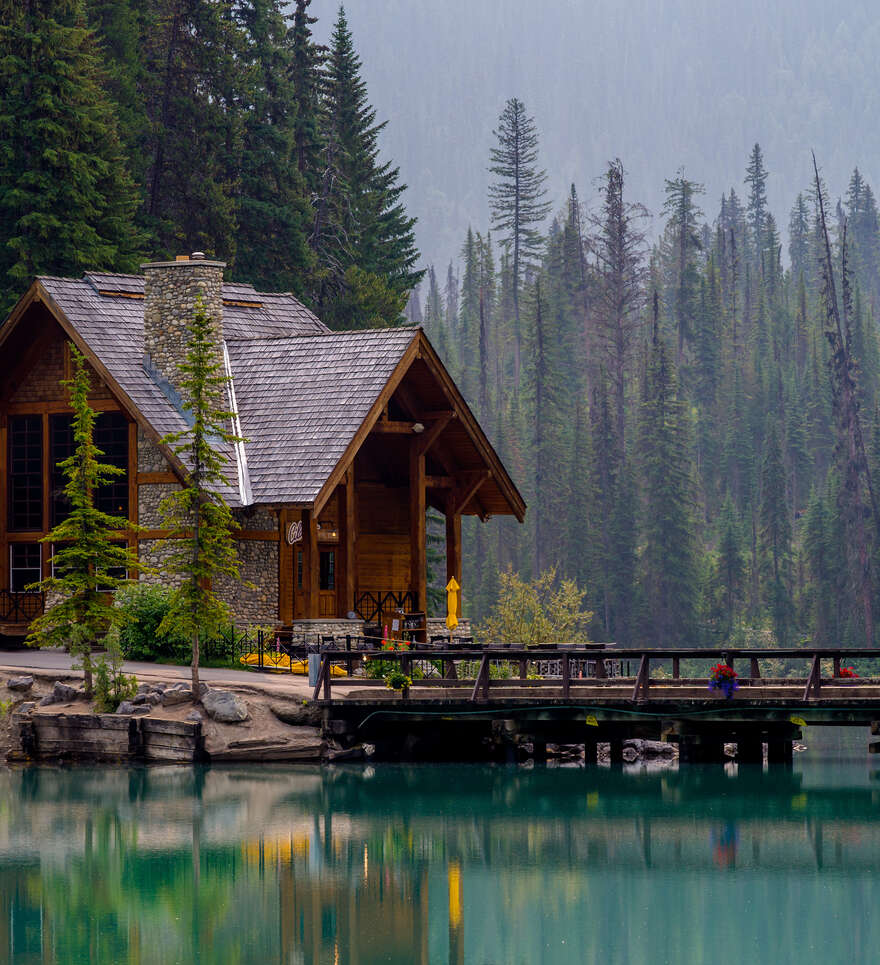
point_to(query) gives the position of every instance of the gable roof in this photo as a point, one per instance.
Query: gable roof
(303, 394)
(301, 400)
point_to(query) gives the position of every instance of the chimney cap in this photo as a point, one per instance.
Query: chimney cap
(184, 261)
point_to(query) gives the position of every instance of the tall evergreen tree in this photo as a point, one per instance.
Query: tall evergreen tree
(87, 562)
(202, 547)
(684, 243)
(67, 202)
(756, 207)
(273, 213)
(362, 233)
(516, 198)
(775, 538)
(668, 556)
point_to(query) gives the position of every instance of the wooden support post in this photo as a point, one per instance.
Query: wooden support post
(328, 675)
(640, 691)
(566, 675)
(349, 525)
(286, 570)
(417, 552)
(615, 750)
(814, 681)
(676, 668)
(312, 560)
(539, 751)
(453, 549)
(591, 751)
(750, 750)
(754, 669)
(837, 666)
(780, 751)
(449, 671)
(523, 670)
(481, 685)
(600, 669)
(728, 660)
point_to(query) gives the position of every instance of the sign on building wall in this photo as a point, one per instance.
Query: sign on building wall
(295, 532)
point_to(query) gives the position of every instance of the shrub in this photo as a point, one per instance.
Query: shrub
(112, 686)
(144, 607)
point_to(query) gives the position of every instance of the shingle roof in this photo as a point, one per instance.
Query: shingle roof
(301, 400)
(302, 392)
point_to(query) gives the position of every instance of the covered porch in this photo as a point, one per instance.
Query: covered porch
(360, 550)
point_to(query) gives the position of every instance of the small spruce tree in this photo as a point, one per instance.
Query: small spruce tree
(87, 559)
(202, 544)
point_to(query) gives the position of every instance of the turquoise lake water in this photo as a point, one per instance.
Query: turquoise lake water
(458, 864)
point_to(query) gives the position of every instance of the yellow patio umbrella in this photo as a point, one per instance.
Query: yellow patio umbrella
(452, 589)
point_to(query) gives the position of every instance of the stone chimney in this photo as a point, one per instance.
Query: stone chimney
(170, 292)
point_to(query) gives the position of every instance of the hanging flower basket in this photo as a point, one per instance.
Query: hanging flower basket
(399, 681)
(848, 672)
(723, 678)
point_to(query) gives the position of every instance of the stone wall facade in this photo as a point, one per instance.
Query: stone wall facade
(253, 598)
(171, 289)
(150, 496)
(150, 457)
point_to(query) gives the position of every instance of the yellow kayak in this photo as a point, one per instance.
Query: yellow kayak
(281, 663)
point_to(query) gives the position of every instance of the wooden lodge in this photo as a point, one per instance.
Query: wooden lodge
(349, 438)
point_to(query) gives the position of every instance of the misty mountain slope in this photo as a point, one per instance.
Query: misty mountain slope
(659, 83)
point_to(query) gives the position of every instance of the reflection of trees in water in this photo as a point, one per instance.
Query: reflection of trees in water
(167, 864)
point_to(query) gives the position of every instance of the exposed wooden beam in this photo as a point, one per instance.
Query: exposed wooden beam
(350, 531)
(417, 536)
(453, 550)
(432, 434)
(439, 482)
(468, 488)
(394, 427)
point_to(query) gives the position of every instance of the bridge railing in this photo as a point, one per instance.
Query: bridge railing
(514, 667)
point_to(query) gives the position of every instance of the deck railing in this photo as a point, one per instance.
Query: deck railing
(575, 663)
(20, 607)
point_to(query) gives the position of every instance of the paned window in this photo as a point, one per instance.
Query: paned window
(61, 446)
(111, 437)
(24, 566)
(327, 570)
(25, 472)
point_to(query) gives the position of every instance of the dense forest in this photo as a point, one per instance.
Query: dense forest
(690, 403)
(694, 426)
(148, 128)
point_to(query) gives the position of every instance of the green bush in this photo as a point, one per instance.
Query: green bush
(144, 606)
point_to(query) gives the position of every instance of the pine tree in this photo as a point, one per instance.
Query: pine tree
(775, 538)
(87, 562)
(756, 179)
(516, 199)
(195, 81)
(202, 546)
(618, 245)
(729, 566)
(799, 238)
(667, 530)
(683, 216)
(273, 213)
(362, 234)
(67, 202)
(305, 78)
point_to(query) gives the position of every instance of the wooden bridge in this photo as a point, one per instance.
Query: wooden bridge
(502, 698)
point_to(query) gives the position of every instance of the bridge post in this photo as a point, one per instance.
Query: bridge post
(591, 751)
(616, 750)
(701, 749)
(750, 750)
(780, 751)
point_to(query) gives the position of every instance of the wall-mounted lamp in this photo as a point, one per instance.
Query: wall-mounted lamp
(418, 427)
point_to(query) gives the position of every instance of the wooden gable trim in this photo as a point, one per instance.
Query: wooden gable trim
(122, 397)
(376, 410)
(484, 447)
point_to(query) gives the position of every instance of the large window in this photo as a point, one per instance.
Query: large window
(111, 437)
(61, 445)
(25, 472)
(24, 566)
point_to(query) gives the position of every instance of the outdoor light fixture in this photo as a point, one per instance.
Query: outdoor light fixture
(418, 427)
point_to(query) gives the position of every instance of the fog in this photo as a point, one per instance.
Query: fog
(662, 84)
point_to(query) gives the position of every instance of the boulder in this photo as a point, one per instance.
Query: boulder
(139, 699)
(225, 707)
(64, 693)
(194, 716)
(153, 699)
(20, 683)
(144, 689)
(307, 713)
(131, 709)
(179, 694)
(48, 699)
